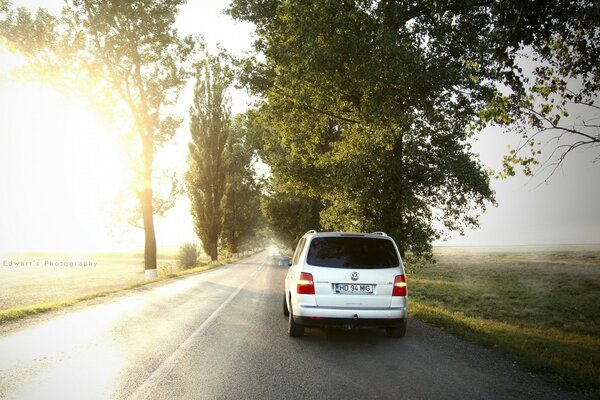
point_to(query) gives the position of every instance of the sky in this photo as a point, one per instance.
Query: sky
(61, 200)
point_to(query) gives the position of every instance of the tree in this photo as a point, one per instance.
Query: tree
(136, 47)
(209, 127)
(365, 110)
(376, 100)
(242, 216)
(133, 48)
(559, 103)
(290, 216)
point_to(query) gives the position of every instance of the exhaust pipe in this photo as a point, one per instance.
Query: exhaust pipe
(349, 327)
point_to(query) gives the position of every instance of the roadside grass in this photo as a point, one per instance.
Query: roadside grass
(543, 310)
(16, 313)
(165, 272)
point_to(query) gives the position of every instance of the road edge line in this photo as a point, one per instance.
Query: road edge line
(146, 388)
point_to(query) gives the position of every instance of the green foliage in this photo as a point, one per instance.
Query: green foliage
(365, 110)
(413, 262)
(188, 255)
(209, 128)
(242, 217)
(29, 33)
(513, 158)
(290, 216)
(368, 105)
(562, 39)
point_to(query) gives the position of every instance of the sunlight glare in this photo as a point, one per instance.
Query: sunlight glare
(62, 164)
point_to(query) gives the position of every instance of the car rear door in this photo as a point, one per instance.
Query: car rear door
(353, 288)
(353, 271)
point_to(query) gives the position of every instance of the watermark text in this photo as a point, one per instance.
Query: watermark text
(8, 263)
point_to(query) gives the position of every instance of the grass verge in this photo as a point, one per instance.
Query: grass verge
(16, 313)
(569, 360)
(540, 308)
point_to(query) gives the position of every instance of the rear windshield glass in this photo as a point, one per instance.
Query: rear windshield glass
(352, 252)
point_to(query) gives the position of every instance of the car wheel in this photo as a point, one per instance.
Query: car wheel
(397, 331)
(286, 312)
(294, 330)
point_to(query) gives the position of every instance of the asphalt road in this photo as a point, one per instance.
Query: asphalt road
(222, 335)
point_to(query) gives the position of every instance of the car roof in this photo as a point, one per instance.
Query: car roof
(377, 235)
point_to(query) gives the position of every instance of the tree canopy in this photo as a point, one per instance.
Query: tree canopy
(368, 113)
(368, 106)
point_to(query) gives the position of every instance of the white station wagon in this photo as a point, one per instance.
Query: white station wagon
(349, 280)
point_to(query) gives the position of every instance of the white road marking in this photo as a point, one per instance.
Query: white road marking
(145, 389)
(259, 269)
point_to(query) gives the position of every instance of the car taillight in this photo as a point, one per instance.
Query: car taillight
(306, 285)
(399, 286)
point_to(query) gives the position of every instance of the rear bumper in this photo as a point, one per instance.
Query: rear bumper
(353, 322)
(311, 315)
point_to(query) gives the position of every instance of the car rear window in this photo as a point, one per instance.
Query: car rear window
(352, 252)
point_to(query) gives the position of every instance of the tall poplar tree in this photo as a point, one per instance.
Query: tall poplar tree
(209, 128)
(242, 215)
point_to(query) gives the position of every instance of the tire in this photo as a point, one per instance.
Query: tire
(286, 312)
(397, 332)
(294, 330)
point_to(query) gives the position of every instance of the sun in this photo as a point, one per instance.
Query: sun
(62, 165)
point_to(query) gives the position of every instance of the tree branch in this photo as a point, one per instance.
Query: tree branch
(310, 107)
(561, 128)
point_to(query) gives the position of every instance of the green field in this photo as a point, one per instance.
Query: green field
(32, 283)
(541, 306)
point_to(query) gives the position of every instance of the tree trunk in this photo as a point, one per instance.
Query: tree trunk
(148, 210)
(213, 252)
(149, 234)
(402, 252)
(234, 247)
(399, 155)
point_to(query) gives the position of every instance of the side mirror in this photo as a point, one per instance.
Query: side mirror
(285, 263)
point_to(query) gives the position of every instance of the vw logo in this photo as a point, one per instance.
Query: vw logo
(354, 276)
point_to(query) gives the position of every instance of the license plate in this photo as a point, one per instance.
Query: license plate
(353, 288)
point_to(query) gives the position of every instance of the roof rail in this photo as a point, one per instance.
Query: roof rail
(311, 231)
(380, 233)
